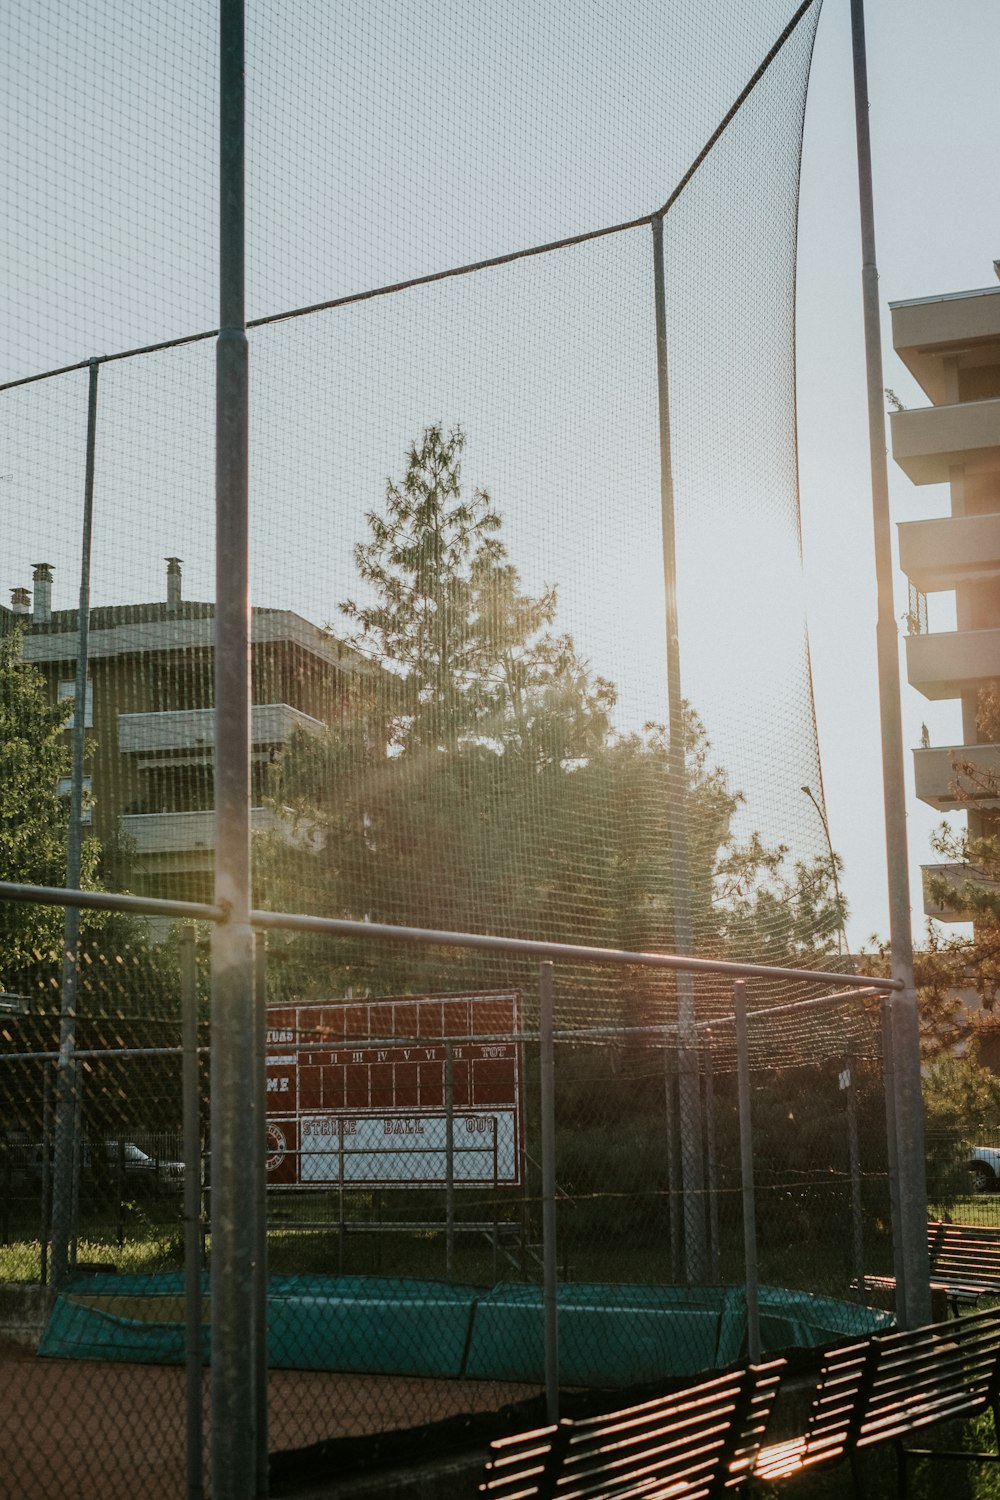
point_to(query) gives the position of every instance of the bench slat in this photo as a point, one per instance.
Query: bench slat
(690, 1443)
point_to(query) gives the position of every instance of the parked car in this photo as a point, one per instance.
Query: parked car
(142, 1171)
(984, 1169)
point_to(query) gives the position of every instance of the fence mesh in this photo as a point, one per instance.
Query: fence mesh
(469, 711)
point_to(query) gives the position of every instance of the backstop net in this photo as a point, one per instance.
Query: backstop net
(529, 656)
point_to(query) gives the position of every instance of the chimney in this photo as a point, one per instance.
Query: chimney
(42, 579)
(173, 582)
(20, 601)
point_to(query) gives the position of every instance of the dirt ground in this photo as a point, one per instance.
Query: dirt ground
(89, 1430)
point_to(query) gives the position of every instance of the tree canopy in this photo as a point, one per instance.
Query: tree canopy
(33, 817)
(476, 781)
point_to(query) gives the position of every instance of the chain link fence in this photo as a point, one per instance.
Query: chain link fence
(526, 658)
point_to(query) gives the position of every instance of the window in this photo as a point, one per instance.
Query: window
(68, 690)
(65, 785)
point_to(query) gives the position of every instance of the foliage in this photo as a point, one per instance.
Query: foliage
(120, 972)
(33, 817)
(961, 1098)
(475, 781)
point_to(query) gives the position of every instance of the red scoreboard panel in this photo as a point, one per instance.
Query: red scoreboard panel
(356, 1092)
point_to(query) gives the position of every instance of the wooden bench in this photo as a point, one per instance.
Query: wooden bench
(695, 1444)
(892, 1385)
(964, 1261)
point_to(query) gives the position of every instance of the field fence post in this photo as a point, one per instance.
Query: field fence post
(892, 1155)
(496, 1206)
(192, 1213)
(233, 1382)
(340, 1195)
(65, 1199)
(849, 1083)
(260, 1177)
(449, 1159)
(550, 1263)
(746, 1170)
(906, 1114)
(714, 1242)
(45, 1177)
(673, 1163)
(692, 1160)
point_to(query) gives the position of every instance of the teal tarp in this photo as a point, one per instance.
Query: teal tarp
(609, 1335)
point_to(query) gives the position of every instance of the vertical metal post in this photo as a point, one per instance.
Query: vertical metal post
(714, 1240)
(892, 1157)
(120, 1191)
(449, 1159)
(854, 1159)
(673, 1163)
(234, 1352)
(550, 1263)
(688, 1081)
(340, 1196)
(746, 1171)
(496, 1179)
(45, 1188)
(63, 1192)
(260, 1176)
(913, 1267)
(191, 1122)
(74, 1243)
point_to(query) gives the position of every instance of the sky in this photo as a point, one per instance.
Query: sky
(110, 116)
(935, 118)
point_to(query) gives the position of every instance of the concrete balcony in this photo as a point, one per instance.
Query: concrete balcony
(942, 780)
(928, 441)
(964, 326)
(946, 662)
(170, 842)
(194, 729)
(958, 877)
(181, 832)
(942, 554)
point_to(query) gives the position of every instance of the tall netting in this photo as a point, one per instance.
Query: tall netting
(485, 468)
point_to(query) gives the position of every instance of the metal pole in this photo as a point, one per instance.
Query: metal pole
(234, 1355)
(746, 1171)
(46, 1177)
(673, 1163)
(892, 1156)
(688, 1081)
(260, 1175)
(714, 1240)
(340, 1196)
(192, 1212)
(449, 1159)
(913, 1268)
(66, 1072)
(854, 1157)
(496, 1176)
(550, 1263)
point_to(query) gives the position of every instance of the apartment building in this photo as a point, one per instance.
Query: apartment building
(151, 723)
(951, 345)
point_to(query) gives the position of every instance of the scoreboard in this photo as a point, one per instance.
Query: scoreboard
(357, 1092)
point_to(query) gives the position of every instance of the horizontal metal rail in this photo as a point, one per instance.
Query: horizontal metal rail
(349, 299)
(96, 1054)
(483, 942)
(148, 906)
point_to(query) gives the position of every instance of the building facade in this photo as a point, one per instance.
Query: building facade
(951, 345)
(151, 722)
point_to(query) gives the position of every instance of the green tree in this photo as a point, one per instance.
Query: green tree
(120, 972)
(475, 781)
(33, 817)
